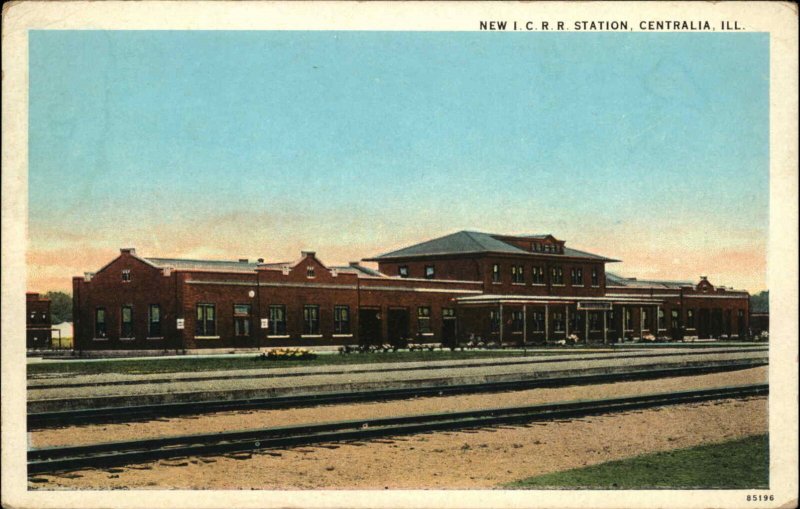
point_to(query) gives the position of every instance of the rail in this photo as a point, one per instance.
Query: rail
(57, 459)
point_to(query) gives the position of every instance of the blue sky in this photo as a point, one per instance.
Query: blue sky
(235, 143)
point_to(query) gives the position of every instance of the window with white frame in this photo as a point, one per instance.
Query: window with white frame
(557, 276)
(495, 273)
(538, 275)
(241, 319)
(126, 275)
(154, 321)
(424, 319)
(126, 322)
(206, 320)
(577, 276)
(310, 319)
(517, 274)
(277, 320)
(100, 329)
(341, 320)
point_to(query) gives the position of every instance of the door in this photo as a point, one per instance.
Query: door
(397, 323)
(448, 327)
(369, 326)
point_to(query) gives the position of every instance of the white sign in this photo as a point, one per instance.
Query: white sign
(594, 306)
(180, 323)
(265, 323)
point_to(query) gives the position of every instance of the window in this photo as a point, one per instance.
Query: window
(206, 323)
(448, 313)
(628, 319)
(126, 322)
(310, 320)
(645, 318)
(495, 273)
(690, 318)
(517, 274)
(100, 330)
(537, 321)
(557, 276)
(430, 272)
(310, 271)
(517, 321)
(674, 323)
(595, 277)
(126, 275)
(402, 271)
(595, 321)
(577, 277)
(154, 321)
(241, 320)
(277, 320)
(341, 320)
(494, 321)
(558, 322)
(538, 275)
(424, 319)
(662, 320)
(576, 323)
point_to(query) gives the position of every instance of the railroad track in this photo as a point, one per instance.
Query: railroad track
(36, 384)
(57, 459)
(41, 420)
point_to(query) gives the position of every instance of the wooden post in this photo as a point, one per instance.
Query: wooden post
(524, 324)
(501, 324)
(546, 322)
(586, 326)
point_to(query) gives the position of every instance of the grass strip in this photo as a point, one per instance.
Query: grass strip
(737, 464)
(188, 363)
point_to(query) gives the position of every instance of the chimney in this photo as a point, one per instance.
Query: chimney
(354, 264)
(704, 278)
(128, 251)
(306, 253)
(243, 260)
(260, 260)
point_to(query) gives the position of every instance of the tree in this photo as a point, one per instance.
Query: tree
(759, 303)
(60, 307)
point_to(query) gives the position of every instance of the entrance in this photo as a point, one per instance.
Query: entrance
(449, 331)
(703, 324)
(369, 326)
(397, 322)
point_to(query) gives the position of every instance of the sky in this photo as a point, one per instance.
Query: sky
(651, 148)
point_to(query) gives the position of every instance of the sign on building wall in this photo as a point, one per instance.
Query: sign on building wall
(594, 306)
(180, 323)
(265, 323)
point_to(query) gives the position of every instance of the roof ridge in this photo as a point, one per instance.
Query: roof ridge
(469, 235)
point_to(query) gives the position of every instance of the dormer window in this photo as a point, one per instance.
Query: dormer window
(126, 276)
(310, 271)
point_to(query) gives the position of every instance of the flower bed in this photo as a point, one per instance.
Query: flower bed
(288, 354)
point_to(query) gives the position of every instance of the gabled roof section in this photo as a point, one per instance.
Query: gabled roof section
(470, 242)
(617, 280)
(360, 270)
(221, 265)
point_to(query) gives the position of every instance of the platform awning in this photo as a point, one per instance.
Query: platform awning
(583, 303)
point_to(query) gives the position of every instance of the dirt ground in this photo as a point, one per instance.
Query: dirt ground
(445, 460)
(228, 421)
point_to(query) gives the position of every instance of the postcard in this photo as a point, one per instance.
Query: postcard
(399, 254)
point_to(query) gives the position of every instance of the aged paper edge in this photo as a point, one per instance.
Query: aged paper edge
(779, 19)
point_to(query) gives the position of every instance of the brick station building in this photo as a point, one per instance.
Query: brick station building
(525, 289)
(38, 329)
